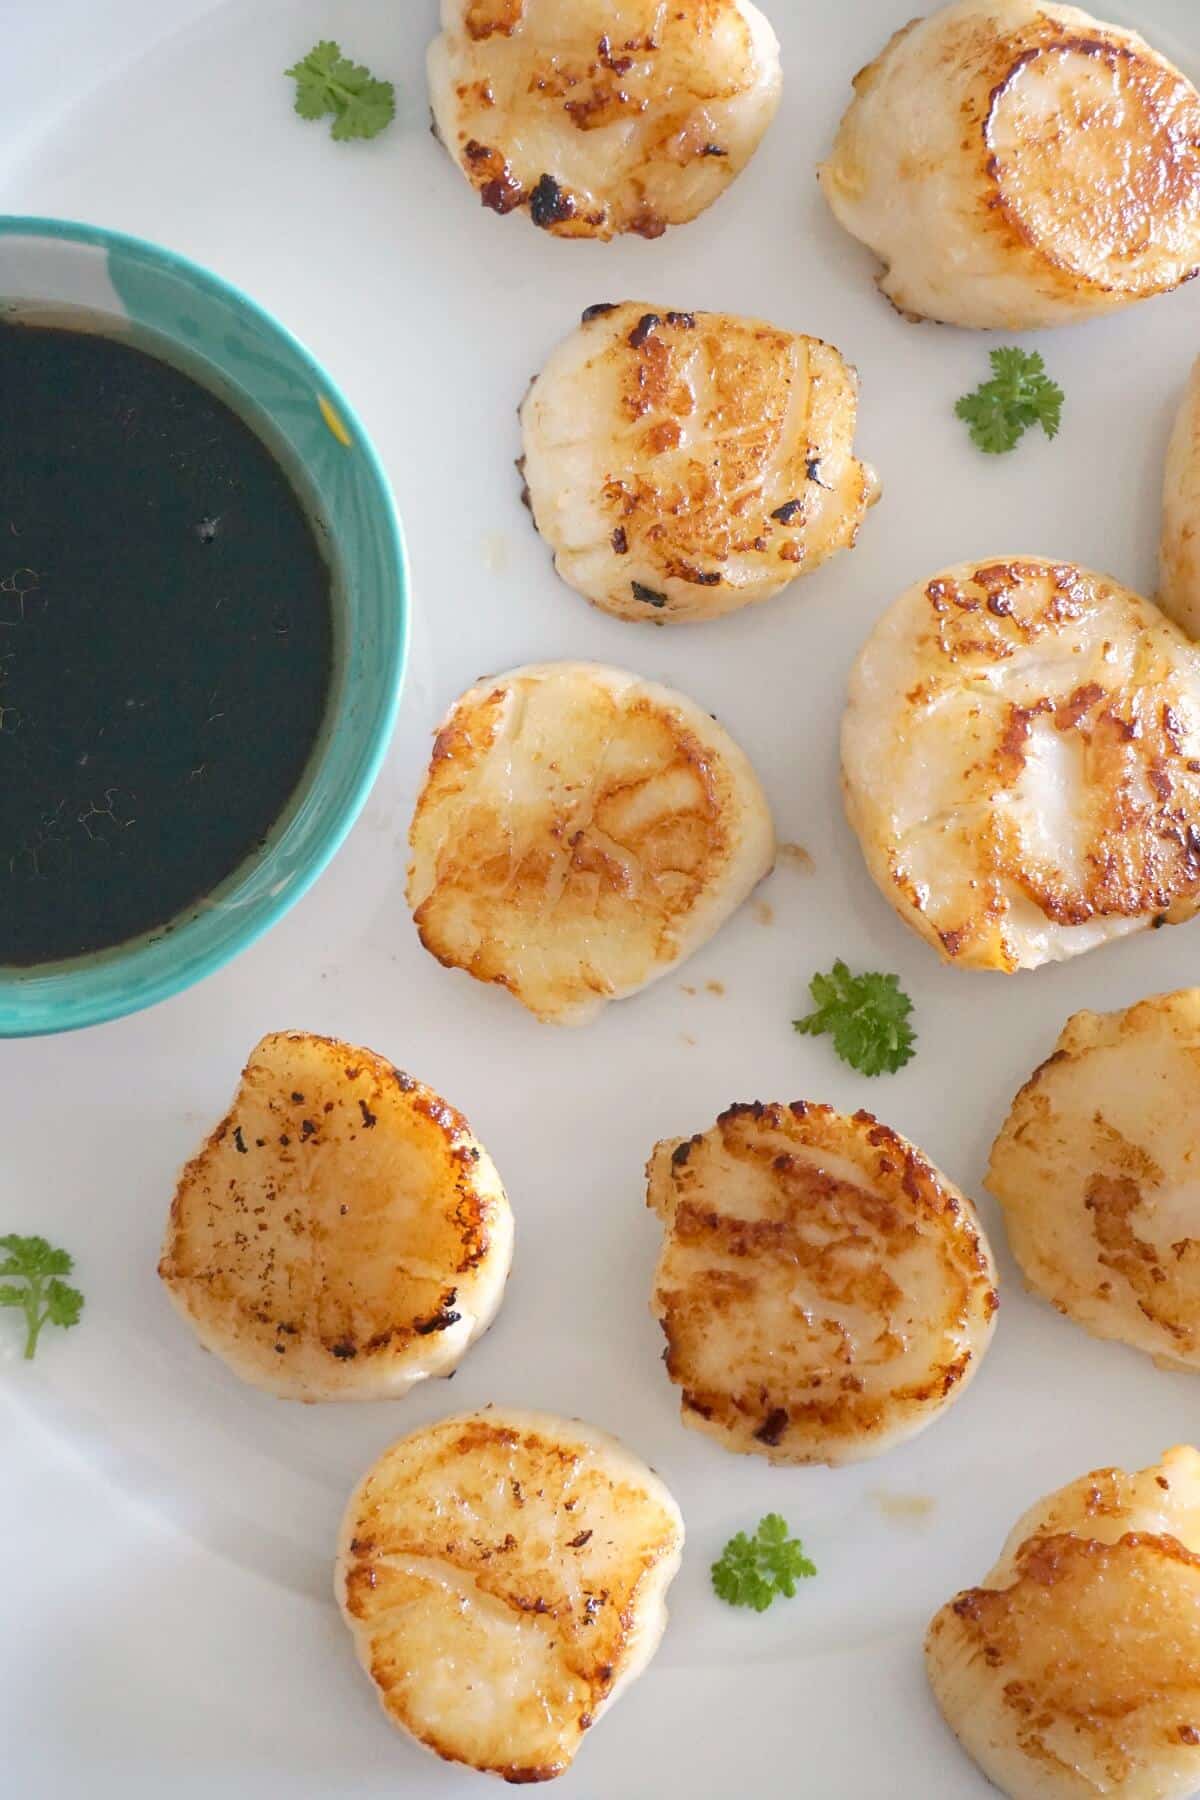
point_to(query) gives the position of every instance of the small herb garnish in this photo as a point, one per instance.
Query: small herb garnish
(867, 1016)
(43, 1298)
(753, 1570)
(328, 82)
(1020, 394)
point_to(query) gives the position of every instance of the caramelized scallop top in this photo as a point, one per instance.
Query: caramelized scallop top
(600, 118)
(823, 1289)
(579, 833)
(1021, 761)
(504, 1575)
(683, 464)
(342, 1234)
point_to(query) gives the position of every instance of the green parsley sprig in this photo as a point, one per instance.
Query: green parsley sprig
(1019, 395)
(751, 1571)
(328, 82)
(31, 1273)
(867, 1017)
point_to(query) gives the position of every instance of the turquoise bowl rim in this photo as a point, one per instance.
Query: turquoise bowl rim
(91, 991)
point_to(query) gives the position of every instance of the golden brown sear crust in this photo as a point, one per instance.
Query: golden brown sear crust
(1052, 1638)
(599, 120)
(823, 1289)
(1016, 163)
(1097, 173)
(686, 508)
(682, 464)
(1021, 761)
(1094, 1168)
(503, 1575)
(579, 832)
(1072, 1672)
(341, 1233)
(584, 860)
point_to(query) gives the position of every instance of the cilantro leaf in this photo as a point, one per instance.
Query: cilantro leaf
(43, 1297)
(751, 1571)
(867, 1017)
(328, 82)
(1020, 394)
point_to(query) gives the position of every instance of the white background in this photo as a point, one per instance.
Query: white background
(166, 1534)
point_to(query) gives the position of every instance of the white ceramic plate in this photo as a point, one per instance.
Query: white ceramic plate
(167, 1620)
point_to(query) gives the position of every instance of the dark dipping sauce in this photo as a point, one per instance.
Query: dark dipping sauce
(166, 643)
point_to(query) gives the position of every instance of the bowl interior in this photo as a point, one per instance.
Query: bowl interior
(177, 310)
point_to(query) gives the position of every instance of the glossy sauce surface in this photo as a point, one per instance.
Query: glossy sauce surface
(166, 642)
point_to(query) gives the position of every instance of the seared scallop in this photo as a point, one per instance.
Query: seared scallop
(1179, 574)
(1021, 762)
(825, 1292)
(602, 118)
(342, 1234)
(1074, 1671)
(504, 1576)
(1015, 164)
(683, 464)
(1096, 1169)
(579, 833)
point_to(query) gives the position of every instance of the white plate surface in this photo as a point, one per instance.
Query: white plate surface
(168, 1625)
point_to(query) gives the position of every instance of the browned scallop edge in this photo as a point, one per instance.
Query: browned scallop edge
(551, 206)
(920, 1180)
(1042, 1559)
(1030, 1086)
(453, 744)
(870, 73)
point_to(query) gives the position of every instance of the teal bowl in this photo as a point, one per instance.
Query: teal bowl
(178, 311)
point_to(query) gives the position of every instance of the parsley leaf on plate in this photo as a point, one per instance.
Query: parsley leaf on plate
(30, 1278)
(867, 1017)
(751, 1571)
(1019, 395)
(328, 82)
